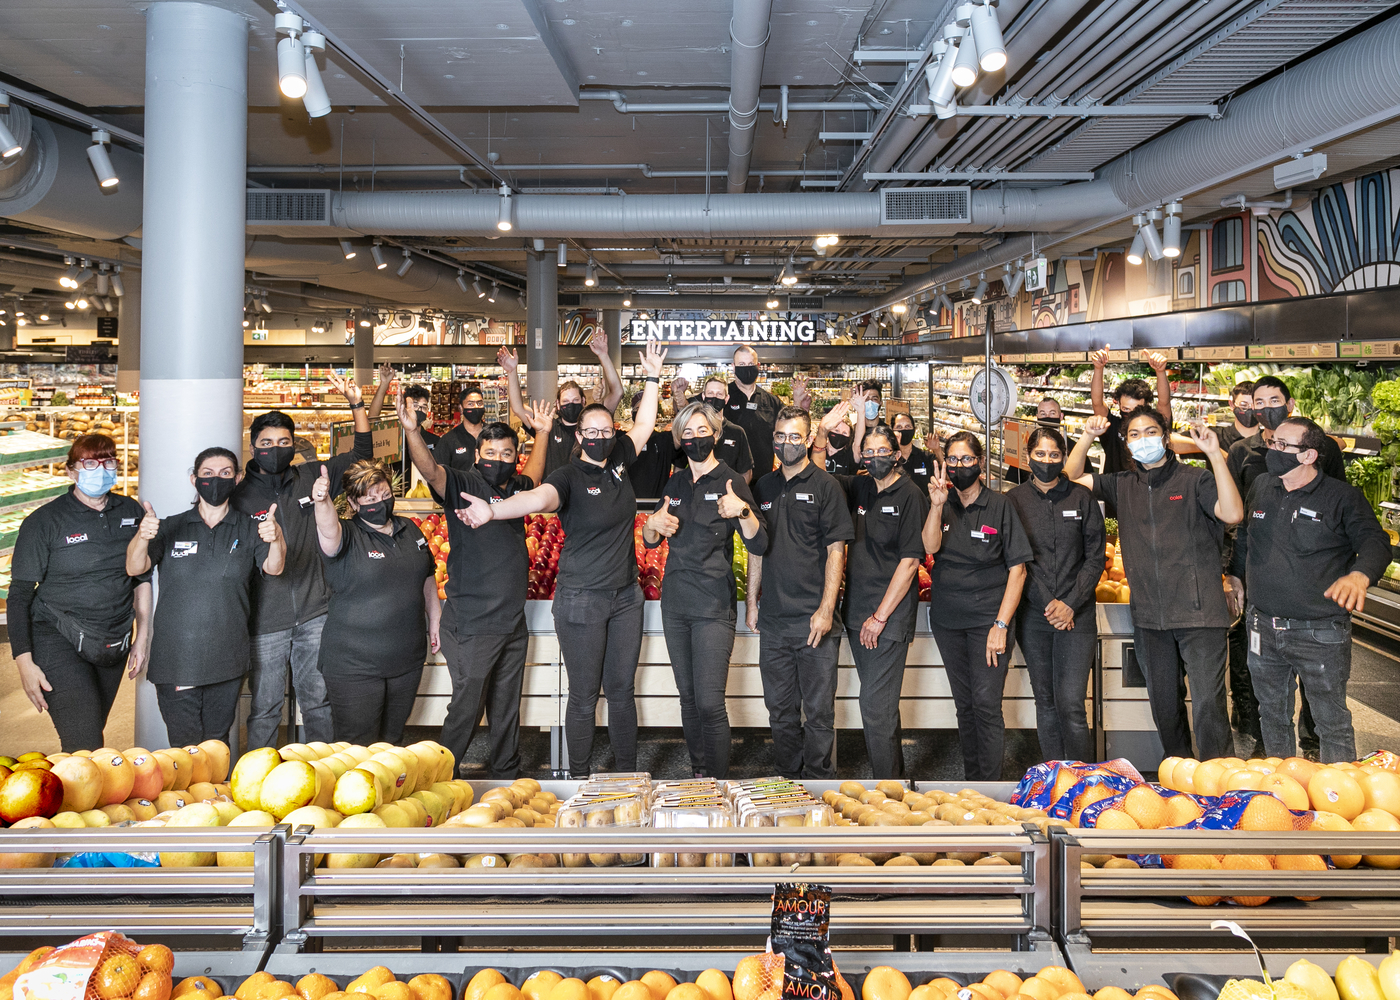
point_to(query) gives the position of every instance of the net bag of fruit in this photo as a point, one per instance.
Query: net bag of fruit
(798, 961)
(1047, 785)
(101, 966)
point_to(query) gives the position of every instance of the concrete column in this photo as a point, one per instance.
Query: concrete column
(196, 128)
(364, 356)
(129, 333)
(541, 326)
(612, 326)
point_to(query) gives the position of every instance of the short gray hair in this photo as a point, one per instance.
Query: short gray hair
(682, 420)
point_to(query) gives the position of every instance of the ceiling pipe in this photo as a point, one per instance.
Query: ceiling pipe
(748, 30)
(519, 168)
(626, 107)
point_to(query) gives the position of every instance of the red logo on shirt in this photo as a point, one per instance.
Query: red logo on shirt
(594, 491)
(1177, 497)
(988, 530)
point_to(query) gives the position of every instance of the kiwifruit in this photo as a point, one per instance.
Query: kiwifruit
(873, 798)
(893, 789)
(663, 861)
(852, 788)
(719, 861)
(901, 861)
(690, 859)
(765, 860)
(794, 859)
(604, 860)
(855, 861)
(1121, 863)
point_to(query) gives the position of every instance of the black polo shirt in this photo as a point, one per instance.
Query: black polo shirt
(1170, 540)
(458, 448)
(803, 515)
(757, 415)
(1065, 528)
(559, 444)
(653, 466)
(377, 625)
(1246, 461)
(888, 527)
(733, 449)
(918, 467)
(842, 461)
(299, 594)
(200, 633)
(1116, 456)
(77, 556)
(1227, 435)
(981, 543)
(488, 567)
(598, 511)
(700, 561)
(1297, 543)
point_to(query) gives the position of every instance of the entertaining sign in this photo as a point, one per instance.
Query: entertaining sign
(791, 330)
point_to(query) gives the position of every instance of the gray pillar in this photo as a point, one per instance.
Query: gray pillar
(196, 128)
(129, 333)
(612, 326)
(364, 355)
(541, 325)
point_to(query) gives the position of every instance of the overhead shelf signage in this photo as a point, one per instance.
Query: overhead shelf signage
(728, 331)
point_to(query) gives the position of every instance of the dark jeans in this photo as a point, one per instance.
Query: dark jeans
(1162, 654)
(369, 710)
(200, 712)
(977, 690)
(600, 639)
(82, 694)
(487, 671)
(1245, 713)
(299, 648)
(800, 680)
(1059, 663)
(700, 649)
(881, 672)
(1319, 657)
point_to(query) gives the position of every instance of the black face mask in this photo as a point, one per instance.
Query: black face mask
(274, 461)
(836, 442)
(715, 403)
(747, 374)
(1271, 416)
(1047, 472)
(791, 454)
(569, 412)
(879, 468)
(598, 449)
(906, 435)
(697, 449)
(1049, 422)
(214, 490)
(1280, 463)
(963, 476)
(474, 415)
(377, 513)
(1247, 417)
(494, 472)
(422, 415)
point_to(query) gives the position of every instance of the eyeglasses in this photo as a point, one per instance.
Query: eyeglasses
(597, 433)
(1278, 444)
(878, 453)
(789, 438)
(961, 460)
(90, 464)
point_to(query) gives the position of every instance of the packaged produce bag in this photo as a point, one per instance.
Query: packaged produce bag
(798, 961)
(95, 967)
(1054, 783)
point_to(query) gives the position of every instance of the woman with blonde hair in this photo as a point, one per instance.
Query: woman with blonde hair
(384, 608)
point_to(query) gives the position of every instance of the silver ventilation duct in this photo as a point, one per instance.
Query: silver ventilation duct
(749, 31)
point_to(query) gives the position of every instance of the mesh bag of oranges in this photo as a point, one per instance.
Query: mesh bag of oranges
(101, 966)
(1047, 785)
(798, 961)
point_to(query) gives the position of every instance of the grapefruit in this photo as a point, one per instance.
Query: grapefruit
(1300, 863)
(1250, 863)
(1199, 862)
(1378, 821)
(1332, 790)
(1184, 774)
(1381, 790)
(1333, 823)
(1182, 809)
(118, 776)
(1241, 779)
(1164, 771)
(1114, 819)
(1299, 769)
(1264, 812)
(1206, 778)
(1287, 790)
(82, 783)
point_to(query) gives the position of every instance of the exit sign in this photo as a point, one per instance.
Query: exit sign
(1036, 275)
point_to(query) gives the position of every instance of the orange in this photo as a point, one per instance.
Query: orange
(394, 990)
(1206, 862)
(659, 983)
(157, 958)
(1299, 769)
(572, 989)
(1165, 769)
(1113, 993)
(1008, 984)
(1184, 775)
(687, 991)
(715, 984)
(927, 992)
(1206, 779)
(1145, 806)
(1182, 809)
(636, 990)
(1336, 791)
(427, 987)
(1112, 819)
(981, 991)
(117, 976)
(1248, 863)
(203, 986)
(1265, 812)
(154, 985)
(1154, 990)
(539, 985)
(1066, 980)
(279, 988)
(948, 986)
(1382, 791)
(603, 987)
(753, 976)
(1039, 989)
(1300, 863)
(1287, 790)
(369, 981)
(316, 986)
(480, 983)
(885, 983)
(502, 991)
(249, 987)
(1333, 823)
(1075, 996)
(1378, 821)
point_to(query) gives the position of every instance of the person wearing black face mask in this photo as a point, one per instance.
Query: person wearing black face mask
(753, 408)
(384, 608)
(980, 552)
(289, 611)
(209, 557)
(597, 603)
(917, 463)
(1057, 623)
(732, 443)
(457, 449)
(700, 509)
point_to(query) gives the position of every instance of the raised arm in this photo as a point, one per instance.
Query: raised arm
(1229, 508)
(376, 405)
(542, 499)
(328, 527)
(433, 474)
(825, 426)
(1099, 358)
(938, 486)
(1164, 385)
(138, 550)
(508, 360)
(653, 357)
(858, 434)
(346, 387)
(541, 418)
(1094, 427)
(612, 392)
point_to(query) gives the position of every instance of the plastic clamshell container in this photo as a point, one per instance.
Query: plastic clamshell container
(586, 811)
(693, 813)
(781, 813)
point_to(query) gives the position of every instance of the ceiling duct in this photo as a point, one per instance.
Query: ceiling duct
(50, 183)
(266, 207)
(749, 31)
(928, 206)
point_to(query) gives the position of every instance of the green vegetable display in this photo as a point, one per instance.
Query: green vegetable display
(1386, 396)
(1372, 477)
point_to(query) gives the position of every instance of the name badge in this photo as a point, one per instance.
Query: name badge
(183, 549)
(729, 441)
(890, 510)
(980, 535)
(422, 543)
(1071, 513)
(1309, 514)
(804, 497)
(128, 522)
(304, 501)
(753, 406)
(711, 496)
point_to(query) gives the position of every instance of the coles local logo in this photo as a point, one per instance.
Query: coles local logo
(75, 539)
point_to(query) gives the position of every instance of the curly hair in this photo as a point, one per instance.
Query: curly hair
(364, 475)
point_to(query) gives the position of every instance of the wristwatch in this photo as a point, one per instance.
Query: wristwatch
(357, 406)
(744, 513)
(1001, 625)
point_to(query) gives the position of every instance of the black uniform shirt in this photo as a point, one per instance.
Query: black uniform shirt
(757, 415)
(981, 543)
(1116, 456)
(299, 594)
(1170, 540)
(559, 444)
(200, 633)
(803, 515)
(1066, 533)
(1246, 461)
(376, 625)
(918, 467)
(598, 511)
(77, 556)
(406, 465)
(1297, 543)
(653, 466)
(700, 561)
(842, 461)
(888, 528)
(458, 449)
(1227, 435)
(487, 567)
(733, 449)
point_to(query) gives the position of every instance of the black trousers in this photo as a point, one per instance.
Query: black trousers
(977, 690)
(1170, 658)
(800, 680)
(1244, 705)
(198, 713)
(1059, 663)
(600, 637)
(488, 671)
(367, 710)
(82, 694)
(700, 649)
(881, 672)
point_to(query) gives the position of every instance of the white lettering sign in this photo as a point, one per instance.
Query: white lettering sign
(677, 331)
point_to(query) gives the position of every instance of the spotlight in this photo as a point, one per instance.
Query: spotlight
(21, 322)
(476, 287)
(315, 99)
(101, 162)
(627, 298)
(66, 278)
(318, 326)
(347, 249)
(504, 224)
(263, 303)
(1139, 246)
(378, 254)
(70, 304)
(1171, 231)
(940, 75)
(81, 304)
(832, 239)
(520, 300)
(981, 291)
(590, 276)
(118, 289)
(899, 308)
(365, 321)
(43, 317)
(1015, 281)
(1150, 239)
(986, 31)
(291, 55)
(563, 255)
(789, 276)
(495, 290)
(407, 264)
(965, 65)
(462, 281)
(9, 145)
(107, 305)
(819, 246)
(82, 276)
(772, 302)
(103, 280)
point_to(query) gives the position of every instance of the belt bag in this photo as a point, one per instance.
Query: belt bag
(99, 649)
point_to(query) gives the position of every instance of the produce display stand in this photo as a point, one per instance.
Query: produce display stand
(1135, 926)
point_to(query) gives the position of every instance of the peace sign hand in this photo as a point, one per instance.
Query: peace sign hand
(938, 485)
(346, 387)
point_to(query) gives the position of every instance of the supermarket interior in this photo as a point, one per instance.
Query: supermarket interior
(1068, 275)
